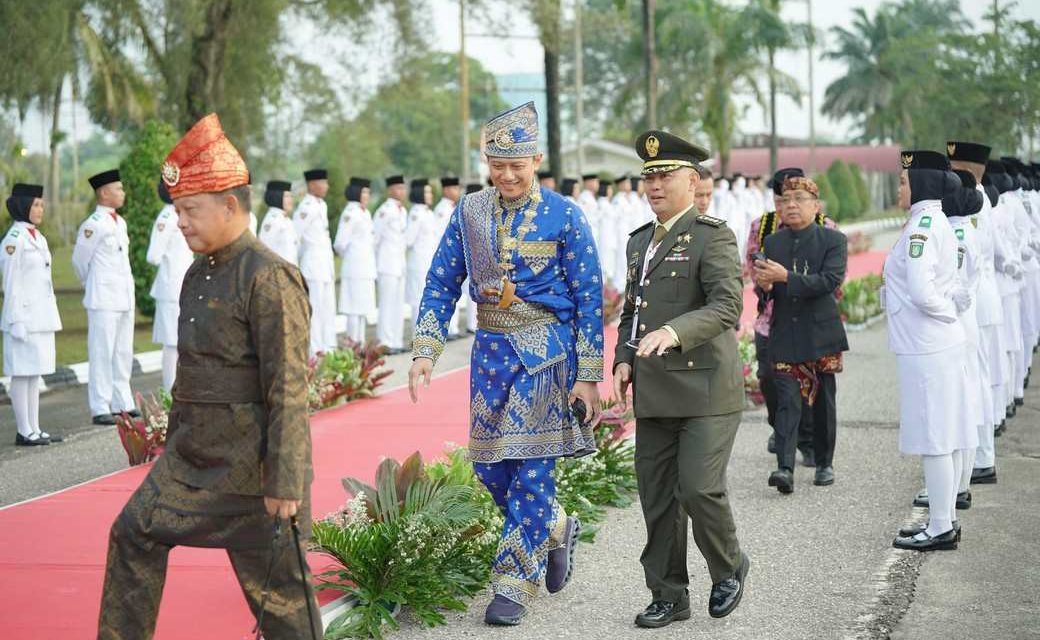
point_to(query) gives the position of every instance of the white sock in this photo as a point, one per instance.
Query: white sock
(967, 464)
(942, 491)
(958, 471)
(169, 367)
(34, 404)
(19, 393)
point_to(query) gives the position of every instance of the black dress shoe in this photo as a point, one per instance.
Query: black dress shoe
(963, 500)
(1011, 410)
(662, 613)
(984, 476)
(824, 476)
(921, 499)
(1019, 402)
(783, 480)
(104, 418)
(915, 529)
(726, 595)
(133, 413)
(504, 612)
(771, 443)
(1001, 428)
(924, 542)
(44, 434)
(32, 441)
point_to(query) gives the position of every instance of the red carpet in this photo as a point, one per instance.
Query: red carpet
(54, 592)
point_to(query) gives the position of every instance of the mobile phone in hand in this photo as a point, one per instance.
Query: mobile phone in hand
(758, 255)
(579, 411)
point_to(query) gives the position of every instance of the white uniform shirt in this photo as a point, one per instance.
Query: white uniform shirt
(28, 289)
(587, 202)
(168, 250)
(355, 243)
(101, 259)
(389, 225)
(422, 237)
(252, 223)
(920, 277)
(311, 220)
(988, 308)
(443, 212)
(608, 236)
(279, 234)
(969, 263)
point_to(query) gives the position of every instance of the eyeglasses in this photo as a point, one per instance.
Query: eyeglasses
(800, 199)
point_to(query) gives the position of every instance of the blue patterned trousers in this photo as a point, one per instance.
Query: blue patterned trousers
(535, 523)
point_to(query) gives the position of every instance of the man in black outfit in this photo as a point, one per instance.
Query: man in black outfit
(805, 263)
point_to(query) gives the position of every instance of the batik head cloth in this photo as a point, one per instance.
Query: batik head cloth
(512, 134)
(204, 161)
(801, 183)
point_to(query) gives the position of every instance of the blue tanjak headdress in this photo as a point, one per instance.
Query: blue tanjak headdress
(513, 133)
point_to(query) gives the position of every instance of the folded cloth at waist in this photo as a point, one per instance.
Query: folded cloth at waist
(217, 385)
(519, 315)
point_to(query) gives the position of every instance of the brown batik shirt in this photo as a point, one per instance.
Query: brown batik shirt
(239, 422)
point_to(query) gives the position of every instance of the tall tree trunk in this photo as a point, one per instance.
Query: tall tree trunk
(205, 87)
(650, 61)
(552, 98)
(54, 175)
(774, 142)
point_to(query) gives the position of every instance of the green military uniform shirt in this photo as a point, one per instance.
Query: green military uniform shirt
(693, 285)
(239, 422)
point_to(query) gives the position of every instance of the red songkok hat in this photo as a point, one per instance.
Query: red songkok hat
(204, 161)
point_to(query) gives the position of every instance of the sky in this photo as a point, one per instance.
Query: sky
(523, 54)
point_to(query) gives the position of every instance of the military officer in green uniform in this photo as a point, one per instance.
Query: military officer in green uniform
(678, 349)
(238, 452)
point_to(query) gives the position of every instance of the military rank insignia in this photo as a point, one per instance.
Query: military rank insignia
(916, 249)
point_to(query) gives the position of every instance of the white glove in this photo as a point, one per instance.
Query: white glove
(19, 331)
(1011, 269)
(962, 300)
(1027, 255)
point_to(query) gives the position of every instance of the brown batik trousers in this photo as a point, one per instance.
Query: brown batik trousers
(164, 513)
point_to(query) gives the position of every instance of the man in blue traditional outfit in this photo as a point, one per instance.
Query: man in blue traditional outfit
(535, 276)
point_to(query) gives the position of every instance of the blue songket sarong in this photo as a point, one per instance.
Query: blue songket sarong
(525, 358)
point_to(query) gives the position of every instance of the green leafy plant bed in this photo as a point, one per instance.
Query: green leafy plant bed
(343, 375)
(424, 536)
(749, 361)
(860, 303)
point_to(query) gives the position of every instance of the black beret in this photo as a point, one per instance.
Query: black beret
(776, 183)
(449, 181)
(924, 159)
(621, 179)
(967, 178)
(474, 187)
(392, 180)
(568, 186)
(278, 185)
(663, 152)
(590, 176)
(542, 175)
(315, 174)
(967, 151)
(103, 178)
(20, 190)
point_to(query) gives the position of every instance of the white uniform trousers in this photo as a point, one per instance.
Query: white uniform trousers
(453, 324)
(323, 315)
(991, 339)
(974, 417)
(414, 285)
(390, 326)
(1012, 343)
(24, 392)
(110, 349)
(357, 297)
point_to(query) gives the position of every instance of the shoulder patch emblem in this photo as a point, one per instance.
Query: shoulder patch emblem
(959, 233)
(10, 249)
(87, 233)
(926, 222)
(161, 226)
(711, 221)
(916, 249)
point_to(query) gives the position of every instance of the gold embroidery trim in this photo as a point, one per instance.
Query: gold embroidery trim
(519, 316)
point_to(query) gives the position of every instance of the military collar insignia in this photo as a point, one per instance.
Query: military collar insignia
(171, 174)
(908, 159)
(653, 145)
(951, 148)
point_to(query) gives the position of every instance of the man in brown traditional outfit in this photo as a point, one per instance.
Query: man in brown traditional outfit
(238, 453)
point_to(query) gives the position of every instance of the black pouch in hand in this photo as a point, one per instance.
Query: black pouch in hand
(579, 411)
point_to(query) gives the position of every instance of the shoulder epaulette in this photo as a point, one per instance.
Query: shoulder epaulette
(640, 228)
(711, 221)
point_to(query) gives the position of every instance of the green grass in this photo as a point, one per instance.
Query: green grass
(71, 341)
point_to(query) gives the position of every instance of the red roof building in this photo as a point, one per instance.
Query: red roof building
(871, 159)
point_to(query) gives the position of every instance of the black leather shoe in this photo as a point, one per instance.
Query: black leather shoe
(913, 530)
(808, 458)
(921, 499)
(942, 542)
(560, 564)
(824, 476)
(105, 419)
(44, 434)
(1019, 402)
(984, 476)
(503, 612)
(37, 441)
(133, 413)
(783, 480)
(963, 500)
(1001, 428)
(771, 444)
(726, 595)
(1011, 410)
(662, 613)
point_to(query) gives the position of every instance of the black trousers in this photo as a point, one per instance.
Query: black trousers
(789, 412)
(765, 382)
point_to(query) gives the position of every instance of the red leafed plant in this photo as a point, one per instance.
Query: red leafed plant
(612, 302)
(342, 375)
(144, 438)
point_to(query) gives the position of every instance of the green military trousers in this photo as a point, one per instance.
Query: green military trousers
(681, 467)
(164, 513)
